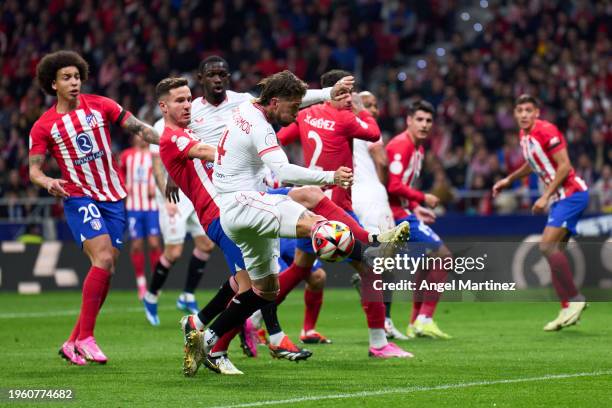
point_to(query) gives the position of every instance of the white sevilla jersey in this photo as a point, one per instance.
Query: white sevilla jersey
(366, 179)
(208, 120)
(248, 136)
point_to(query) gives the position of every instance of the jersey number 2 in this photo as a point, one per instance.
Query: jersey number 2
(317, 150)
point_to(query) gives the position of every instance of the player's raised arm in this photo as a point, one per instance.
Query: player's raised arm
(314, 96)
(137, 127)
(362, 125)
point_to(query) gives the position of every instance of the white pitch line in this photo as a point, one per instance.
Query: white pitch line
(74, 312)
(409, 390)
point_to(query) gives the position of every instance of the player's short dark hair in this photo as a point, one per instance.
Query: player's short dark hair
(46, 70)
(331, 77)
(167, 84)
(420, 105)
(281, 85)
(526, 98)
(211, 60)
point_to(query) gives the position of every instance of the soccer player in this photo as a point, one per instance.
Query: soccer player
(326, 132)
(369, 195)
(176, 220)
(405, 153)
(209, 115)
(565, 198)
(143, 218)
(182, 155)
(76, 131)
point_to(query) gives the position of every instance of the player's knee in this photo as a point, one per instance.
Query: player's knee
(308, 196)
(316, 280)
(204, 245)
(306, 222)
(154, 243)
(173, 252)
(548, 248)
(267, 287)
(104, 259)
(136, 245)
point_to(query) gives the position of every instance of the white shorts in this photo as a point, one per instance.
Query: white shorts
(374, 216)
(255, 221)
(175, 228)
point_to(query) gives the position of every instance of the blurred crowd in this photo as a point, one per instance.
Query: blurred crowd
(556, 50)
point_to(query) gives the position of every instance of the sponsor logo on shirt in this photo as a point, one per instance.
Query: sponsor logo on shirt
(180, 141)
(87, 159)
(320, 123)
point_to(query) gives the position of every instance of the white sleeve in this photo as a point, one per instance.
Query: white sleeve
(316, 96)
(277, 161)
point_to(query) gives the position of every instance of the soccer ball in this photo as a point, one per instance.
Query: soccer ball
(333, 241)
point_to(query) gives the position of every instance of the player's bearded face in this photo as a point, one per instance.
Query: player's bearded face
(67, 83)
(287, 110)
(526, 115)
(419, 124)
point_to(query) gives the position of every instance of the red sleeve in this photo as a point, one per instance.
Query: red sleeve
(289, 134)
(551, 138)
(362, 126)
(413, 204)
(398, 160)
(114, 112)
(39, 140)
(174, 149)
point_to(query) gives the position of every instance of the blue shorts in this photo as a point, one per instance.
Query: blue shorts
(143, 223)
(565, 213)
(422, 237)
(88, 218)
(287, 253)
(231, 252)
(281, 190)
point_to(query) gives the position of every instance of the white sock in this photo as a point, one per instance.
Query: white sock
(151, 298)
(210, 338)
(423, 319)
(378, 338)
(257, 319)
(198, 323)
(275, 339)
(188, 297)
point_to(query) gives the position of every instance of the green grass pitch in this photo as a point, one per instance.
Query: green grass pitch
(499, 357)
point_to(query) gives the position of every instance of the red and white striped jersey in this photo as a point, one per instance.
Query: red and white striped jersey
(538, 147)
(405, 163)
(80, 143)
(137, 172)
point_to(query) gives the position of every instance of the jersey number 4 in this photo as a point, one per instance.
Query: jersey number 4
(220, 148)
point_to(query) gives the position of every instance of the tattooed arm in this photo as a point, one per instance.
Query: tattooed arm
(38, 177)
(137, 127)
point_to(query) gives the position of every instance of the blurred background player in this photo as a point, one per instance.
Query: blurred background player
(176, 220)
(369, 195)
(142, 215)
(326, 132)
(565, 198)
(76, 131)
(405, 153)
